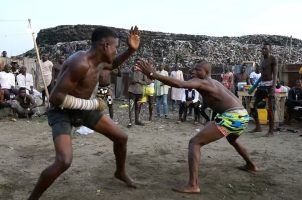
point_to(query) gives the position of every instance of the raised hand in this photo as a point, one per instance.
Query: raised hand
(146, 67)
(134, 38)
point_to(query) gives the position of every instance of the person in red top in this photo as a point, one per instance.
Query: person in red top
(227, 79)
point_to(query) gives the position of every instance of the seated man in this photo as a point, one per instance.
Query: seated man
(3, 102)
(7, 81)
(189, 99)
(24, 105)
(25, 79)
(294, 100)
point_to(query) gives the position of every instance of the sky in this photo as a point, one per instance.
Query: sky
(198, 17)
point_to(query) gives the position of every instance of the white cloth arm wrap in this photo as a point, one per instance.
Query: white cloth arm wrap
(72, 102)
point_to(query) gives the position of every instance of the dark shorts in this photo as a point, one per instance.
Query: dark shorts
(62, 120)
(263, 92)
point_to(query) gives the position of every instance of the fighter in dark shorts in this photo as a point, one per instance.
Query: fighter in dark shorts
(72, 104)
(266, 88)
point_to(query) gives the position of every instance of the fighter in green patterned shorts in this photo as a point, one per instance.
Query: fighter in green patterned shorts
(231, 120)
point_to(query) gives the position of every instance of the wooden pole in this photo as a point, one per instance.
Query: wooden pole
(39, 61)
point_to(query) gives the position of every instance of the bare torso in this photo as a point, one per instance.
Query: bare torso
(267, 65)
(83, 84)
(104, 78)
(240, 77)
(217, 96)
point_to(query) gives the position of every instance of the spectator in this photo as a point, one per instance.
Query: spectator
(2, 64)
(15, 69)
(227, 79)
(255, 75)
(56, 70)
(137, 82)
(294, 99)
(24, 105)
(104, 89)
(161, 91)
(7, 81)
(148, 94)
(4, 59)
(176, 92)
(241, 77)
(47, 75)
(25, 79)
(189, 98)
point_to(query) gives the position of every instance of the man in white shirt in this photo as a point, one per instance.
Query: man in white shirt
(161, 91)
(176, 92)
(25, 79)
(7, 81)
(189, 98)
(255, 75)
(47, 74)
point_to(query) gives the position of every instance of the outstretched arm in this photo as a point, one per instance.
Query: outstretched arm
(133, 42)
(150, 72)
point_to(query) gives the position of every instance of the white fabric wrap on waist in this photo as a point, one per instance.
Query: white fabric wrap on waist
(72, 102)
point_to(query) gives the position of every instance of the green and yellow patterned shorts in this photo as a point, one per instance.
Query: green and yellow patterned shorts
(232, 121)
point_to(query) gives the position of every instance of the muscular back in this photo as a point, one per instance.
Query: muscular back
(267, 68)
(217, 96)
(78, 78)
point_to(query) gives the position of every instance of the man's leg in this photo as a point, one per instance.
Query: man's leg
(173, 104)
(208, 134)
(62, 162)
(108, 128)
(254, 113)
(138, 107)
(270, 114)
(185, 111)
(150, 101)
(130, 108)
(250, 166)
(158, 105)
(110, 107)
(165, 103)
(43, 97)
(202, 112)
(196, 112)
(181, 111)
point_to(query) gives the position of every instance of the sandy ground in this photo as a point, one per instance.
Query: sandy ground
(157, 160)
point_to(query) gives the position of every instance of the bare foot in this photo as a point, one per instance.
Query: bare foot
(187, 189)
(126, 179)
(257, 129)
(139, 123)
(269, 134)
(248, 168)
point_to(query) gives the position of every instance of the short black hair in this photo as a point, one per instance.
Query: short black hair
(102, 32)
(267, 44)
(22, 88)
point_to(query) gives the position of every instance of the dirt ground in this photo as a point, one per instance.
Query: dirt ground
(157, 160)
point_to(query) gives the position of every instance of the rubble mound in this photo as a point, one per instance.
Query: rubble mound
(171, 48)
